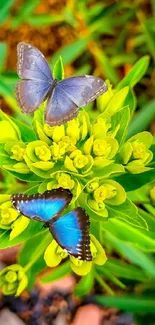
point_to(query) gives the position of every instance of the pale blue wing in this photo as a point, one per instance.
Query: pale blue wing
(83, 89)
(60, 108)
(30, 94)
(42, 207)
(72, 233)
(32, 63)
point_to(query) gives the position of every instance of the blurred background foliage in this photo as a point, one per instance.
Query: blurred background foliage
(103, 38)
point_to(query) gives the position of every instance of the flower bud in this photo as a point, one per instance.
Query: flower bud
(73, 129)
(17, 152)
(43, 153)
(92, 186)
(13, 280)
(65, 181)
(54, 254)
(101, 148)
(58, 133)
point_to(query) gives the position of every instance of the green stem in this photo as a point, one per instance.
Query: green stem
(104, 285)
(38, 252)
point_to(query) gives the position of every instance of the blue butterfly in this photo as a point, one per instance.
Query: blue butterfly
(63, 97)
(71, 231)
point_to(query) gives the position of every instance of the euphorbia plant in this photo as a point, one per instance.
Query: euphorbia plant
(92, 157)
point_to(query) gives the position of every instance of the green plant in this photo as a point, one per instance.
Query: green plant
(92, 157)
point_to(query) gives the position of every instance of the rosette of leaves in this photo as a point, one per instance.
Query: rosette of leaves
(92, 157)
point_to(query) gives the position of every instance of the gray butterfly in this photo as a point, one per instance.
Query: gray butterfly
(63, 97)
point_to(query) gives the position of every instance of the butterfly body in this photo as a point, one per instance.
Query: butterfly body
(63, 97)
(71, 230)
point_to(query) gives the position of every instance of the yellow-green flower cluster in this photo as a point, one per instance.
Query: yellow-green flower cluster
(64, 180)
(54, 254)
(13, 280)
(104, 192)
(135, 153)
(10, 219)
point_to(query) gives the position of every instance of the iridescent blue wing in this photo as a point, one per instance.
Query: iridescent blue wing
(60, 108)
(72, 233)
(70, 94)
(42, 207)
(36, 76)
(83, 89)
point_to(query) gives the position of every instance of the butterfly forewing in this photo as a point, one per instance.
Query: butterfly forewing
(83, 89)
(42, 207)
(72, 233)
(32, 63)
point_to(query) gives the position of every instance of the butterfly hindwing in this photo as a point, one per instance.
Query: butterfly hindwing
(42, 207)
(30, 94)
(60, 108)
(72, 233)
(83, 89)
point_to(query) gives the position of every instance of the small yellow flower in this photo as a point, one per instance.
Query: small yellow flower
(104, 192)
(58, 150)
(18, 152)
(58, 133)
(65, 181)
(91, 187)
(139, 149)
(43, 153)
(100, 128)
(13, 280)
(8, 215)
(101, 148)
(80, 161)
(48, 130)
(69, 143)
(73, 130)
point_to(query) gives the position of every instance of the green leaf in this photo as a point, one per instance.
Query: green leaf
(32, 229)
(3, 50)
(5, 6)
(140, 238)
(131, 100)
(34, 246)
(58, 70)
(32, 256)
(57, 273)
(121, 118)
(123, 270)
(84, 286)
(128, 303)
(71, 52)
(43, 20)
(105, 64)
(135, 74)
(27, 133)
(117, 101)
(131, 182)
(149, 38)
(133, 254)
(142, 119)
(128, 213)
(24, 12)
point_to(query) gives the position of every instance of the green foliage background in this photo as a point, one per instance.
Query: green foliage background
(107, 152)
